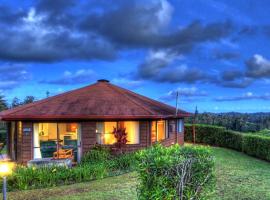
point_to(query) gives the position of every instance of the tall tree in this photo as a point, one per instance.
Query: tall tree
(29, 99)
(15, 102)
(3, 103)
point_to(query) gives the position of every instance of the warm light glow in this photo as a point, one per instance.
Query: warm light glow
(6, 168)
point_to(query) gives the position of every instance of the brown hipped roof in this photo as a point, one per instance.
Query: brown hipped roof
(101, 100)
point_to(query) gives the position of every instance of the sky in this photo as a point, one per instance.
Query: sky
(215, 54)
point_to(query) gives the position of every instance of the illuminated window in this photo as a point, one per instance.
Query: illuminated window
(105, 134)
(132, 129)
(159, 130)
(52, 137)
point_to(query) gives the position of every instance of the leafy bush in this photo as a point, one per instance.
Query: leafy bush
(254, 145)
(96, 164)
(123, 162)
(97, 154)
(258, 146)
(174, 172)
(25, 178)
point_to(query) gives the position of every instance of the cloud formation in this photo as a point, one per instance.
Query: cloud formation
(12, 75)
(187, 92)
(71, 78)
(245, 96)
(61, 30)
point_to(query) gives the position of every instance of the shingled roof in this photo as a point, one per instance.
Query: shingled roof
(101, 100)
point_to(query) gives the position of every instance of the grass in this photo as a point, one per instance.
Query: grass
(238, 177)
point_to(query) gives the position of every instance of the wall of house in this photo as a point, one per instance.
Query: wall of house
(174, 136)
(88, 131)
(24, 142)
(88, 138)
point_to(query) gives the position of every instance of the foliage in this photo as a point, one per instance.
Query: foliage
(121, 138)
(258, 146)
(250, 144)
(174, 172)
(97, 154)
(29, 99)
(243, 122)
(3, 103)
(25, 178)
(15, 102)
(96, 164)
(238, 177)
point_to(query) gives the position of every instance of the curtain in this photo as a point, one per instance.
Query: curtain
(132, 129)
(37, 153)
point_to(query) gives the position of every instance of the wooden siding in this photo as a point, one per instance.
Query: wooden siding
(25, 142)
(88, 135)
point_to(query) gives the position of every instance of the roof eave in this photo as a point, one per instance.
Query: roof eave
(81, 117)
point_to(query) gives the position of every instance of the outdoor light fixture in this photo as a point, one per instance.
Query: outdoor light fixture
(5, 170)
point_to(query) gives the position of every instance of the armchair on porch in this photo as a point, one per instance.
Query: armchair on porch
(63, 154)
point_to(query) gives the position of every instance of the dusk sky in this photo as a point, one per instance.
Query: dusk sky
(215, 53)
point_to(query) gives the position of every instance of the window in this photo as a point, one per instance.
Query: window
(132, 129)
(180, 125)
(159, 130)
(105, 132)
(51, 137)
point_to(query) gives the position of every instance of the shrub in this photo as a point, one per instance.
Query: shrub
(174, 172)
(254, 145)
(258, 146)
(97, 154)
(123, 162)
(96, 164)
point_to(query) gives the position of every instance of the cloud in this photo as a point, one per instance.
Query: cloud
(258, 67)
(245, 96)
(155, 62)
(160, 66)
(70, 78)
(227, 55)
(12, 75)
(186, 92)
(131, 84)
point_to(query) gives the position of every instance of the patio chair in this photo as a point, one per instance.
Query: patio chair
(63, 154)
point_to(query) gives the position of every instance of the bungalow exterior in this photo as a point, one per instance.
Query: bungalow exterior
(78, 120)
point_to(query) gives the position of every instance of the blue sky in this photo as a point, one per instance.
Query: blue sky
(214, 53)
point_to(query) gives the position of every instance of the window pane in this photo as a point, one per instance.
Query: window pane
(161, 130)
(109, 136)
(105, 132)
(180, 125)
(132, 129)
(45, 140)
(153, 131)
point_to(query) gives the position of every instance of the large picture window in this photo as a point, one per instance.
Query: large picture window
(159, 130)
(56, 140)
(105, 134)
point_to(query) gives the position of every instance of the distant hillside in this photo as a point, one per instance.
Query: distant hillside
(244, 122)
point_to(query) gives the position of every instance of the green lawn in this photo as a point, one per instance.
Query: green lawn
(238, 177)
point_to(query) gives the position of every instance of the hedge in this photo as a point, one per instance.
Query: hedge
(175, 173)
(253, 145)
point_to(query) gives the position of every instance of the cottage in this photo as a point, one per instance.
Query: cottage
(71, 123)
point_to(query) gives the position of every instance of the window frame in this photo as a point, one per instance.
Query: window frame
(118, 125)
(166, 129)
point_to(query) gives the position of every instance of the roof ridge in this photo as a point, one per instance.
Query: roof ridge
(24, 107)
(118, 89)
